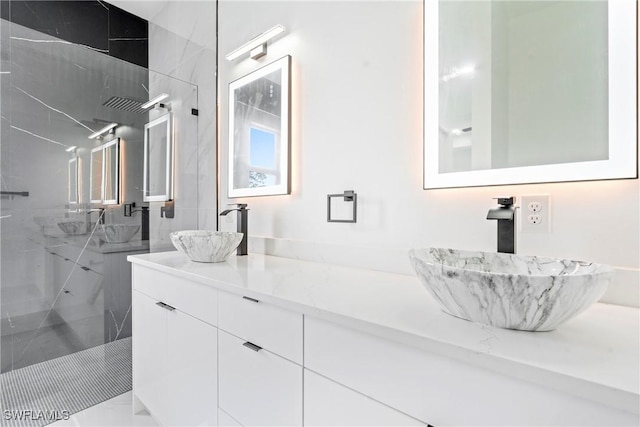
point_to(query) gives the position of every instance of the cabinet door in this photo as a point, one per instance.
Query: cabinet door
(258, 388)
(327, 403)
(192, 371)
(150, 383)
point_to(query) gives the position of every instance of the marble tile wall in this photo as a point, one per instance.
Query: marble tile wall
(94, 24)
(52, 295)
(182, 45)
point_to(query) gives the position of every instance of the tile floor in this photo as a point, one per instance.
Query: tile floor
(117, 412)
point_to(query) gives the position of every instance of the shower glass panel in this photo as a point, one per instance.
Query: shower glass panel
(63, 288)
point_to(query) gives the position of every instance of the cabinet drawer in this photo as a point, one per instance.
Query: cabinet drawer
(257, 387)
(195, 299)
(439, 390)
(83, 257)
(327, 403)
(270, 327)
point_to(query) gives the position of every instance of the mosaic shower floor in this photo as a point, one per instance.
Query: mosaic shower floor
(49, 391)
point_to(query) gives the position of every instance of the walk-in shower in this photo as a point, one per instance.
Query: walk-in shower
(65, 289)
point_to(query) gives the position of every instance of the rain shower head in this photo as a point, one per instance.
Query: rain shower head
(125, 104)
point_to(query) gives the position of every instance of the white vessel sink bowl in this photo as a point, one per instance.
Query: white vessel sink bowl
(119, 233)
(72, 227)
(206, 246)
(510, 291)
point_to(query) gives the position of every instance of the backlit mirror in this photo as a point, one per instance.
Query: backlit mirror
(73, 181)
(529, 91)
(105, 173)
(157, 159)
(111, 162)
(259, 131)
(96, 175)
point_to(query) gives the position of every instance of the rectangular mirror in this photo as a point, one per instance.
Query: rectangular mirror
(157, 159)
(105, 173)
(259, 143)
(73, 182)
(111, 168)
(529, 91)
(95, 184)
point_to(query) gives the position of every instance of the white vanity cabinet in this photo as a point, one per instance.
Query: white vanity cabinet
(260, 362)
(300, 347)
(327, 403)
(440, 390)
(174, 352)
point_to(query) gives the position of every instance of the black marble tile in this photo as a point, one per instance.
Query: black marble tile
(134, 51)
(82, 22)
(5, 12)
(97, 24)
(124, 25)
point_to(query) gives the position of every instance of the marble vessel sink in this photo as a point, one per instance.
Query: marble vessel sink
(119, 233)
(204, 245)
(510, 291)
(72, 227)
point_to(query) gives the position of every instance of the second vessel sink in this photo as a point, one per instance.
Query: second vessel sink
(72, 227)
(204, 245)
(119, 233)
(510, 291)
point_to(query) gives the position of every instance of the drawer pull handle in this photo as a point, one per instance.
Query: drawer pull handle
(251, 299)
(85, 268)
(165, 306)
(252, 346)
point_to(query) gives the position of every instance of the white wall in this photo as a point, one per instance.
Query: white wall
(357, 124)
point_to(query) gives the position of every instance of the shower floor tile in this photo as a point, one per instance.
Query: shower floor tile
(66, 385)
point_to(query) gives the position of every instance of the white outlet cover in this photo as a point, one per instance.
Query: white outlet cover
(536, 214)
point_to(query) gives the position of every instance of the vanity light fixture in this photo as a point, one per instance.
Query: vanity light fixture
(154, 101)
(71, 148)
(104, 130)
(257, 46)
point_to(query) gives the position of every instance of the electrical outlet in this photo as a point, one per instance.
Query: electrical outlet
(534, 219)
(536, 214)
(534, 206)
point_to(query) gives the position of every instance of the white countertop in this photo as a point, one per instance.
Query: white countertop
(595, 356)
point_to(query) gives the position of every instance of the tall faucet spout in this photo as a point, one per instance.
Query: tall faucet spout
(242, 226)
(505, 214)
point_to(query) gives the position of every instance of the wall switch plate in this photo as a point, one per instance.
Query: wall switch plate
(536, 214)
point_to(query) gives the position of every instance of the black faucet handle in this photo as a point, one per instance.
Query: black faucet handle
(505, 201)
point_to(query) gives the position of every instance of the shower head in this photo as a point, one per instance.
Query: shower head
(125, 104)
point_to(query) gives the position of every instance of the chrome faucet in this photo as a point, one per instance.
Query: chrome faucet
(505, 213)
(242, 223)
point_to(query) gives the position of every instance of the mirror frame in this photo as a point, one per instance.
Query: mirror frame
(98, 149)
(164, 120)
(284, 65)
(103, 173)
(74, 169)
(623, 136)
(106, 146)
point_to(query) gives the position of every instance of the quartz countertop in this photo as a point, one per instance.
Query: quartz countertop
(595, 355)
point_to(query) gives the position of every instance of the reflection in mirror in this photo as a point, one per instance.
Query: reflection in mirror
(529, 91)
(73, 182)
(96, 175)
(111, 164)
(259, 131)
(157, 159)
